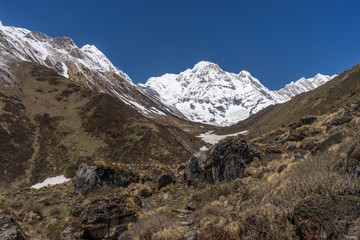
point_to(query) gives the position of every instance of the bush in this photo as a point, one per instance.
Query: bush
(70, 170)
(317, 175)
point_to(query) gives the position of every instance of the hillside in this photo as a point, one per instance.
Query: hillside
(49, 125)
(334, 95)
(132, 168)
(295, 175)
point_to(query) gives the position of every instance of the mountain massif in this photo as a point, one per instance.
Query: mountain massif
(139, 163)
(210, 95)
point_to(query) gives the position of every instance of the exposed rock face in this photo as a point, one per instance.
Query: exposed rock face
(229, 158)
(8, 228)
(105, 217)
(89, 178)
(195, 164)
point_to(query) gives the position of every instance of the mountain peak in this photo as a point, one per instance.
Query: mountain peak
(91, 48)
(211, 95)
(244, 74)
(205, 64)
(304, 84)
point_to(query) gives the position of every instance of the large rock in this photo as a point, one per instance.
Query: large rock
(105, 217)
(229, 158)
(9, 230)
(195, 164)
(161, 178)
(89, 178)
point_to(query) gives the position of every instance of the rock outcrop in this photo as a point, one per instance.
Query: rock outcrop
(89, 178)
(106, 217)
(229, 158)
(9, 230)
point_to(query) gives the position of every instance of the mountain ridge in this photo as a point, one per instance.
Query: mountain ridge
(208, 94)
(86, 66)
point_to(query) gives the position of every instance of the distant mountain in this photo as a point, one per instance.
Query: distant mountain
(210, 95)
(86, 66)
(304, 85)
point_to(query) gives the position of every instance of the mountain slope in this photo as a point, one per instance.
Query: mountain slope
(49, 125)
(337, 93)
(86, 66)
(210, 95)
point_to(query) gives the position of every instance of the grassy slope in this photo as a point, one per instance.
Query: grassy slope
(48, 125)
(335, 94)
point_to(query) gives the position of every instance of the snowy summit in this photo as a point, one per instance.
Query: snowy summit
(210, 95)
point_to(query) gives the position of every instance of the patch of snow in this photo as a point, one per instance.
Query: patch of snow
(213, 138)
(139, 106)
(51, 181)
(204, 148)
(157, 111)
(65, 68)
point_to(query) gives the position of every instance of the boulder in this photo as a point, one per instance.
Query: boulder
(165, 179)
(89, 178)
(161, 178)
(190, 205)
(9, 230)
(229, 158)
(105, 217)
(145, 193)
(195, 163)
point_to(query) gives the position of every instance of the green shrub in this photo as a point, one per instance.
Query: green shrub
(70, 170)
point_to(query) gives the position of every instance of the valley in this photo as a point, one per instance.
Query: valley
(205, 154)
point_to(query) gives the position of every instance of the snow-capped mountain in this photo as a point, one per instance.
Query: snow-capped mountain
(210, 95)
(304, 85)
(60, 53)
(86, 66)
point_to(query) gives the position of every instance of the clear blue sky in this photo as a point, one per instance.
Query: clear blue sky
(277, 41)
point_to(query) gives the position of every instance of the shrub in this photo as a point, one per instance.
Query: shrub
(71, 169)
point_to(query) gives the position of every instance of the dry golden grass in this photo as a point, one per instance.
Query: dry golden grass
(151, 223)
(169, 234)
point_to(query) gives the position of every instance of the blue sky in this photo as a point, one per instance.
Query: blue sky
(277, 41)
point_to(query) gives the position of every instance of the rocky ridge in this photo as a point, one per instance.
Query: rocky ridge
(86, 66)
